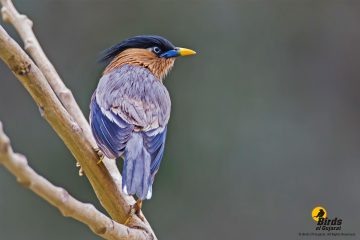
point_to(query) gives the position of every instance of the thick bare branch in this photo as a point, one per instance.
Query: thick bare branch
(60, 198)
(114, 202)
(106, 189)
(23, 26)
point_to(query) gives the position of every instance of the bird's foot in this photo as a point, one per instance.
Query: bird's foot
(81, 172)
(100, 154)
(135, 210)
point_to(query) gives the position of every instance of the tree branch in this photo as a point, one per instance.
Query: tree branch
(69, 123)
(23, 26)
(60, 198)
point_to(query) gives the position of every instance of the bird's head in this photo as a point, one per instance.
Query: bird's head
(153, 52)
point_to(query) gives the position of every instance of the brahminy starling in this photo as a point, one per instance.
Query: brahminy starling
(130, 108)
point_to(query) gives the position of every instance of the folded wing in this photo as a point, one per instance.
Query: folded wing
(129, 115)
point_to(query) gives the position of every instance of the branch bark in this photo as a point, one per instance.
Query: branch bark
(23, 26)
(60, 109)
(58, 197)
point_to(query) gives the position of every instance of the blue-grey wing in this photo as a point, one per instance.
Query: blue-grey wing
(111, 132)
(136, 95)
(128, 98)
(130, 110)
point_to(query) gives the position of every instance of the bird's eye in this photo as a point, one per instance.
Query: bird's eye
(156, 50)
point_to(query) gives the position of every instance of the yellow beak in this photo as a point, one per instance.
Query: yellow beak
(185, 51)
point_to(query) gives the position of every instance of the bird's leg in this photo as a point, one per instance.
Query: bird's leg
(135, 209)
(81, 172)
(100, 154)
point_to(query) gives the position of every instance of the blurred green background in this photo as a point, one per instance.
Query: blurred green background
(265, 122)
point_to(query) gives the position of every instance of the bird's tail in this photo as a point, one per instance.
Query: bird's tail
(136, 169)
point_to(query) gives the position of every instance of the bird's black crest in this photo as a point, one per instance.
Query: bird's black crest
(143, 41)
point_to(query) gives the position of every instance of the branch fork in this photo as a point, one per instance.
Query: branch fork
(58, 106)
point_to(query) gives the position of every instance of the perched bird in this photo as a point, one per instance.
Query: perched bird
(130, 108)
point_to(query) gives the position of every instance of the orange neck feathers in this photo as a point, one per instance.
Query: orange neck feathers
(142, 57)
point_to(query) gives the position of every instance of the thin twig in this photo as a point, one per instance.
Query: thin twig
(58, 197)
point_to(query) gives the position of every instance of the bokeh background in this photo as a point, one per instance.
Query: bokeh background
(265, 122)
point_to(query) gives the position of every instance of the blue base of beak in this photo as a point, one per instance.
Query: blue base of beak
(170, 53)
